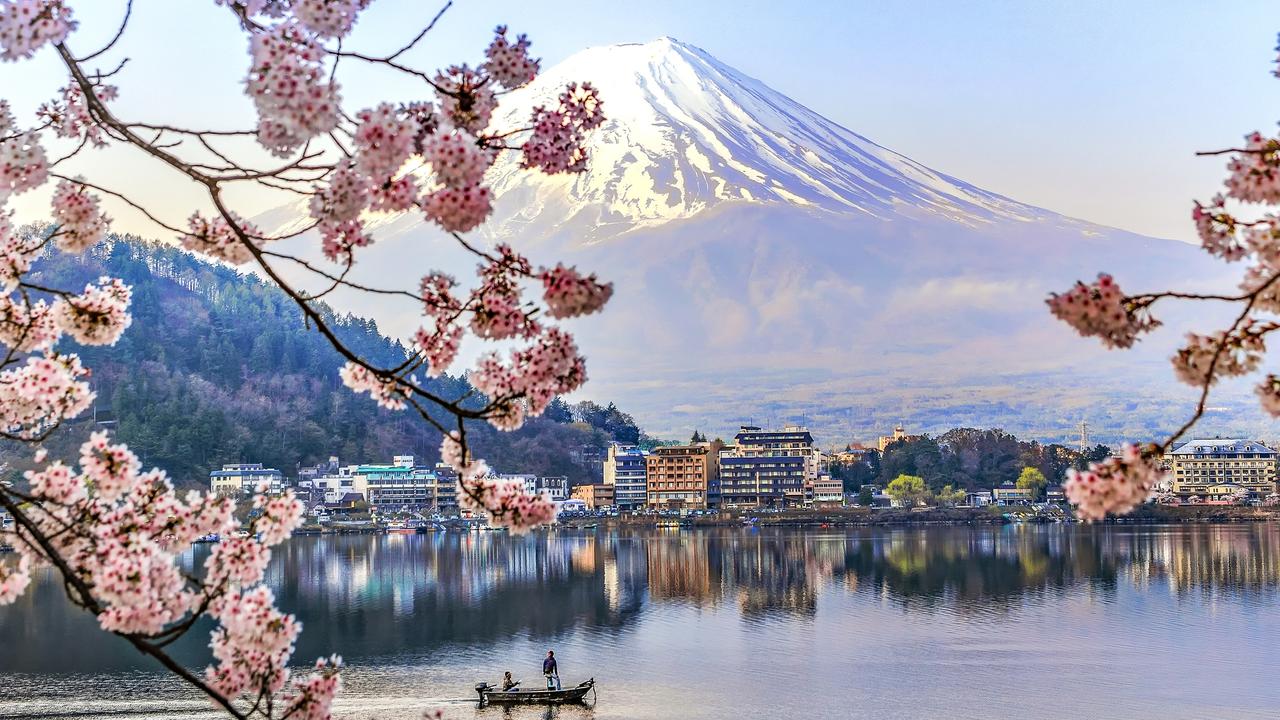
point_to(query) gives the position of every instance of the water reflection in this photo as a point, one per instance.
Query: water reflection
(446, 600)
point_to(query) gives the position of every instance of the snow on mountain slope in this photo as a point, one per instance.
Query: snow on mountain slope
(686, 133)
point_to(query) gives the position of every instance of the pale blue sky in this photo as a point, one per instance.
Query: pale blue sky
(1093, 109)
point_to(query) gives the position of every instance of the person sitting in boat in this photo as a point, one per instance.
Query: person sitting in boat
(509, 685)
(551, 670)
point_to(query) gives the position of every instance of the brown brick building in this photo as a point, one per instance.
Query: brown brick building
(680, 476)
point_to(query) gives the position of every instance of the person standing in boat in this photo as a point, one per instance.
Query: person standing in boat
(551, 670)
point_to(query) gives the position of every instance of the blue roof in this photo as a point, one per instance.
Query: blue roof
(1210, 446)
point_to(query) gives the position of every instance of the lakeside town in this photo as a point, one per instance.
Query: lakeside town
(760, 471)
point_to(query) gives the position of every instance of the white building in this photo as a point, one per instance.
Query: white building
(625, 468)
(245, 479)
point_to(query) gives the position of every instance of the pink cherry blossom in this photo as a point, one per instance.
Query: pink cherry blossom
(114, 468)
(1217, 230)
(251, 645)
(568, 294)
(384, 140)
(456, 159)
(1268, 392)
(556, 144)
(1116, 485)
(81, 223)
(458, 209)
(504, 502)
(385, 390)
(1241, 353)
(99, 315)
(1255, 173)
(295, 98)
(466, 99)
(281, 515)
(396, 195)
(438, 345)
(17, 251)
(27, 25)
(23, 165)
(508, 62)
(14, 579)
(1101, 310)
(29, 327)
(217, 239)
(311, 697)
(328, 18)
(42, 392)
(71, 118)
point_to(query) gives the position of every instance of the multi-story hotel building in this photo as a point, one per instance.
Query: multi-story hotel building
(245, 479)
(680, 476)
(1204, 468)
(769, 468)
(395, 485)
(626, 470)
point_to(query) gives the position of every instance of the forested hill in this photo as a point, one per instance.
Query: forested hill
(219, 367)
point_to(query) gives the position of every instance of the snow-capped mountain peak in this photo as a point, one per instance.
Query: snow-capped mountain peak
(686, 132)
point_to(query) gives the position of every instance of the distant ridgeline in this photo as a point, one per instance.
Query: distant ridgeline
(219, 367)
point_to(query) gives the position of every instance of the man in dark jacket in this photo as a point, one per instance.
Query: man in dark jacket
(551, 670)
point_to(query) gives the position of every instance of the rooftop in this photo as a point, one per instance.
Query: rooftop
(1208, 446)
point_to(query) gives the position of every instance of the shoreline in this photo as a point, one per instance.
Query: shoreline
(884, 517)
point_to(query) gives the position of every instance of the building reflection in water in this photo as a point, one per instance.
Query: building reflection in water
(446, 592)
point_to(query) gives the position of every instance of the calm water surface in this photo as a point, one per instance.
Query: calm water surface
(1020, 621)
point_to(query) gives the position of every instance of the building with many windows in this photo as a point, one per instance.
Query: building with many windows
(625, 469)
(596, 497)
(679, 477)
(245, 479)
(769, 468)
(1201, 468)
(400, 484)
(828, 492)
(446, 489)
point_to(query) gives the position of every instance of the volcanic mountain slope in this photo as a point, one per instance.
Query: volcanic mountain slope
(771, 265)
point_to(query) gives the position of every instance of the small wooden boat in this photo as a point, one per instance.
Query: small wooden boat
(490, 694)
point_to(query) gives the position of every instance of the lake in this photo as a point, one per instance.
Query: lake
(1057, 621)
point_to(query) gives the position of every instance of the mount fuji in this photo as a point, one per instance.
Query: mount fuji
(772, 265)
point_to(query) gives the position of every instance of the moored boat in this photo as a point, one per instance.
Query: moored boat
(490, 694)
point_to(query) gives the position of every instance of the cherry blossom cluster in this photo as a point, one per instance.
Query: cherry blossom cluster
(42, 392)
(568, 293)
(27, 25)
(556, 144)
(295, 98)
(328, 18)
(1218, 230)
(508, 62)
(99, 315)
(1116, 485)
(1204, 359)
(1102, 310)
(439, 345)
(387, 391)
(81, 222)
(466, 97)
(14, 579)
(120, 530)
(1268, 392)
(23, 164)
(29, 326)
(1255, 172)
(504, 502)
(218, 239)
(71, 118)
